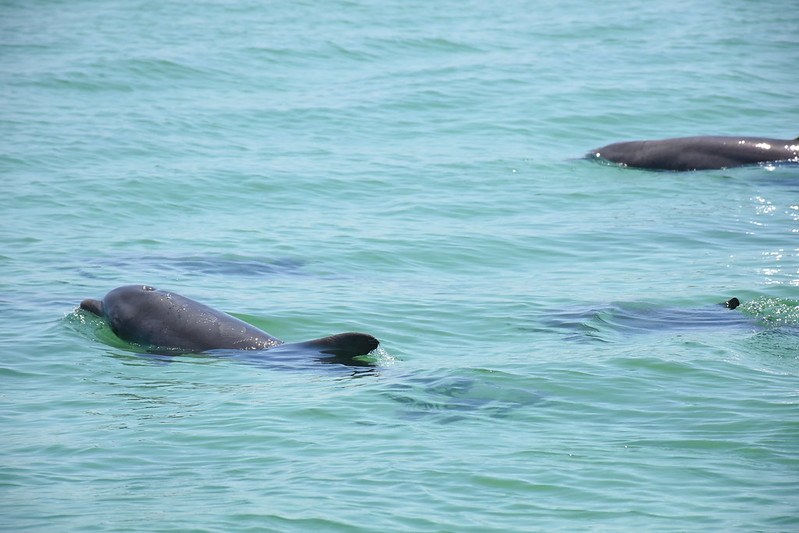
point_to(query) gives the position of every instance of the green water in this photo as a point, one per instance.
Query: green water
(552, 356)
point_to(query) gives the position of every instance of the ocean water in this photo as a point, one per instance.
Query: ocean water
(552, 354)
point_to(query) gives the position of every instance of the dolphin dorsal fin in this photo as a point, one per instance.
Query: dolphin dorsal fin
(343, 344)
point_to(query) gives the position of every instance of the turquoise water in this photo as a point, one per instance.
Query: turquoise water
(552, 357)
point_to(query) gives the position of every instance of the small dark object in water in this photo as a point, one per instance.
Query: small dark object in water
(732, 303)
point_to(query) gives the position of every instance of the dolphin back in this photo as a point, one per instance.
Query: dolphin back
(698, 153)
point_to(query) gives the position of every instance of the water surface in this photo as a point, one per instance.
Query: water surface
(552, 356)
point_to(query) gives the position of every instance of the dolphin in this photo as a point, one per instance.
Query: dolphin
(166, 322)
(607, 322)
(698, 153)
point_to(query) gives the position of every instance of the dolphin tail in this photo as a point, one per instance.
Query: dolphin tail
(92, 306)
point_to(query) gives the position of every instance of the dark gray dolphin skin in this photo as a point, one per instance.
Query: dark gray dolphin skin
(166, 322)
(699, 153)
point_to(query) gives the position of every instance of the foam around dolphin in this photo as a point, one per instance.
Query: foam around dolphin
(698, 153)
(163, 321)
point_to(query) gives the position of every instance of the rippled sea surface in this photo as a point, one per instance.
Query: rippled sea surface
(552, 354)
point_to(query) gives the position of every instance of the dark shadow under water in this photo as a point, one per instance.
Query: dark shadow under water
(209, 264)
(609, 322)
(461, 395)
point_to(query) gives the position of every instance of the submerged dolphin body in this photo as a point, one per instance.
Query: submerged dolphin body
(698, 153)
(163, 321)
(608, 322)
